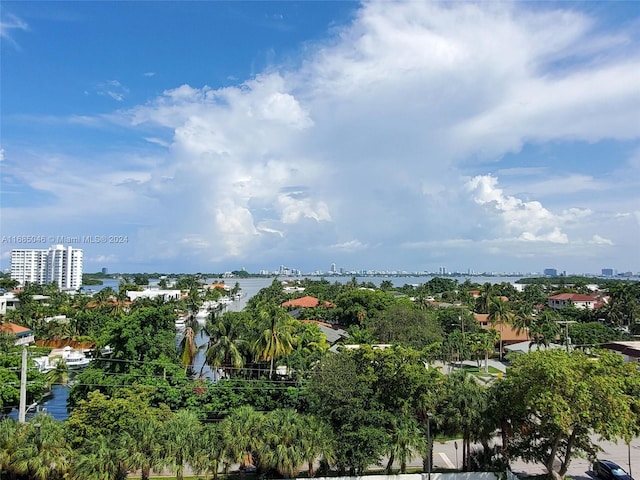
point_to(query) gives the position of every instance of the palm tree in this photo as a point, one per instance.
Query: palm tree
(317, 441)
(544, 328)
(406, 436)
(282, 448)
(241, 434)
(210, 451)
(8, 433)
(485, 344)
(464, 409)
(484, 300)
(522, 316)
(59, 375)
(275, 340)
(188, 348)
(624, 303)
(41, 451)
(499, 312)
(146, 450)
(193, 301)
(181, 433)
(103, 458)
(225, 348)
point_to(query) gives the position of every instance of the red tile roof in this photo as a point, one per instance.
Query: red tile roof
(305, 302)
(574, 297)
(13, 328)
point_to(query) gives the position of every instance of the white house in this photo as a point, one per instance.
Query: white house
(578, 300)
(133, 295)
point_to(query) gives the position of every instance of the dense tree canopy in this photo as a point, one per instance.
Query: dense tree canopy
(554, 401)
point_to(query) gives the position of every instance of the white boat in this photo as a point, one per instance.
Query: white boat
(44, 364)
(74, 358)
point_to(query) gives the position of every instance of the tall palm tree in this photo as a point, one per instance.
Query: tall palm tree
(225, 348)
(241, 433)
(275, 339)
(281, 448)
(181, 433)
(499, 312)
(188, 349)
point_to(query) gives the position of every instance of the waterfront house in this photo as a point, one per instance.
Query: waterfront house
(23, 335)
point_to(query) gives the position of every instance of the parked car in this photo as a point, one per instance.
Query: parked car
(608, 470)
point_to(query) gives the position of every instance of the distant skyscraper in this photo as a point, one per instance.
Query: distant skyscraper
(551, 272)
(105, 271)
(333, 268)
(607, 272)
(59, 265)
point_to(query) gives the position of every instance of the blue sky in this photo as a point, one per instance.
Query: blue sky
(490, 136)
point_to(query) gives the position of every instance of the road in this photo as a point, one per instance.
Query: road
(445, 457)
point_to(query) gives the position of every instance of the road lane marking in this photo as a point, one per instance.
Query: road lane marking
(446, 460)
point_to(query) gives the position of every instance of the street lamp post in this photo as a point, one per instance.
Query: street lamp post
(455, 444)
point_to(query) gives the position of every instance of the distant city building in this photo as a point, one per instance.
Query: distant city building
(551, 272)
(105, 271)
(607, 272)
(333, 268)
(58, 264)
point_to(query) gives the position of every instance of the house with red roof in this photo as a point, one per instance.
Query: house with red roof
(23, 335)
(578, 300)
(305, 302)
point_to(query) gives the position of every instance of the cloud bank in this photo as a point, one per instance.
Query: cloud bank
(381, 147)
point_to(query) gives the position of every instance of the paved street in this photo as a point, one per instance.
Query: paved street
(445, 457)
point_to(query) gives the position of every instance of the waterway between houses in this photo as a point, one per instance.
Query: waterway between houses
(56, 404)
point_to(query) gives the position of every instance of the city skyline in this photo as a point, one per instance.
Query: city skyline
(200, 136)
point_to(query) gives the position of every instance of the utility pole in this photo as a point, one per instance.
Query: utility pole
(567, 339)
(23, 387)
(429, 447)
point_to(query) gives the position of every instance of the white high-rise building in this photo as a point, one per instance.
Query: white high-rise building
(58, 264)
